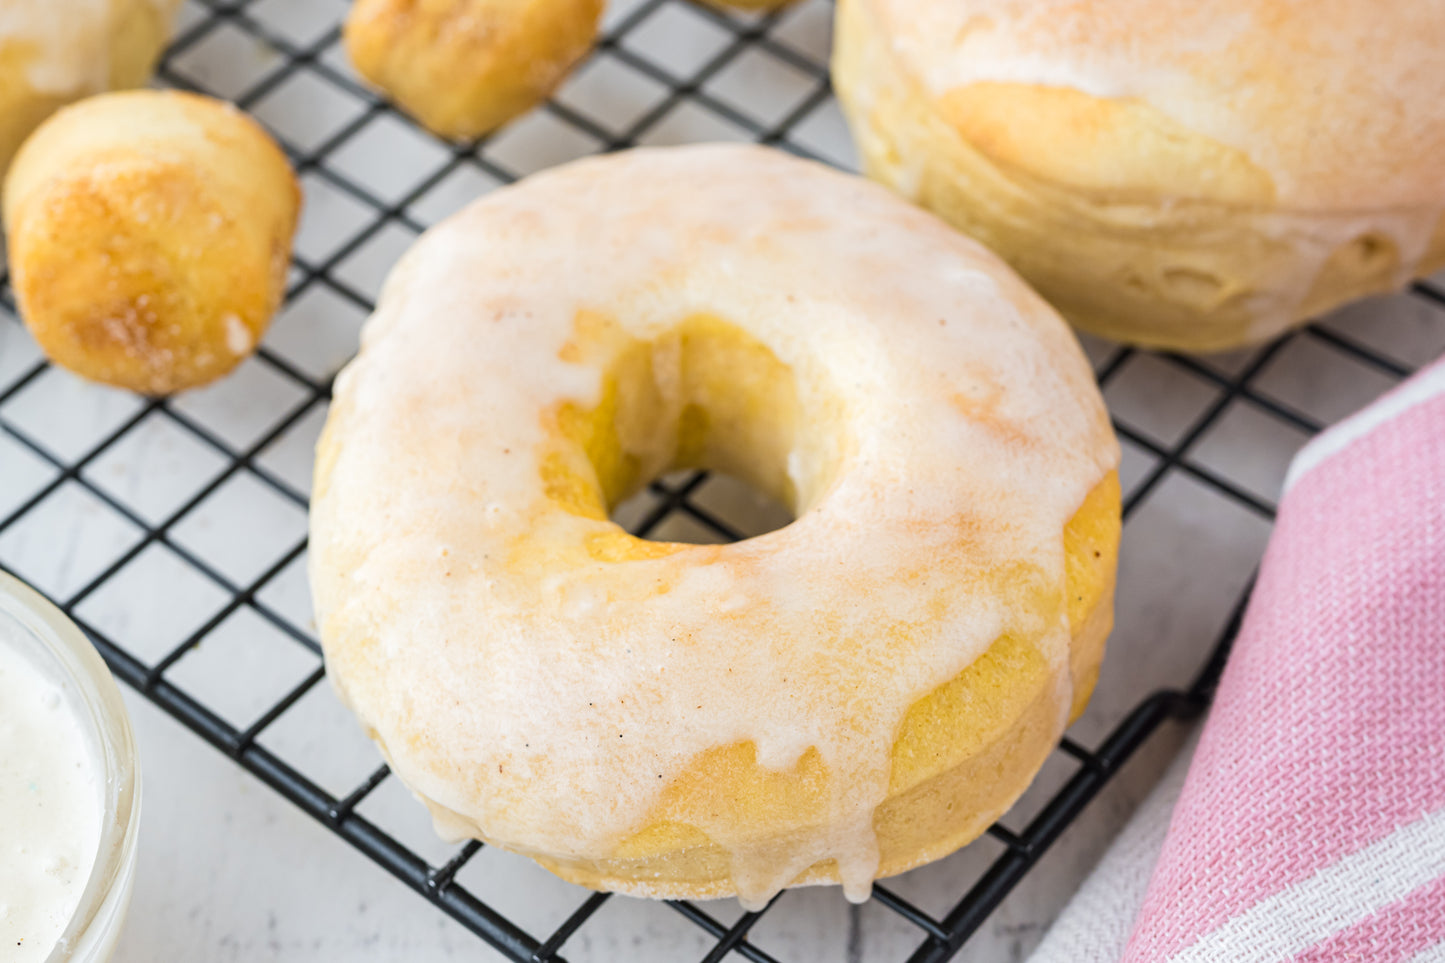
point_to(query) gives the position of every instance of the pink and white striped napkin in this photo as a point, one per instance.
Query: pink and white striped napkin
(1311, 824)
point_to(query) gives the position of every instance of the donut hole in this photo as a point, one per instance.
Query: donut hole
(716, 508)
(704, 394)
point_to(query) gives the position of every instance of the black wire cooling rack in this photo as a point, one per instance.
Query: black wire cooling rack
(688, 85)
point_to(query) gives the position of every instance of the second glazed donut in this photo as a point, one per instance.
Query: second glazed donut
(1180, 174)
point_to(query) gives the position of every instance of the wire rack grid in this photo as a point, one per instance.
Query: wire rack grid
(188, 514)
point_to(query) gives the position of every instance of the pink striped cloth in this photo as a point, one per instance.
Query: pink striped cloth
(1311, 824)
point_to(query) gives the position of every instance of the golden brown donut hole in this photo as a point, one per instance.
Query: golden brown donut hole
(149, 234)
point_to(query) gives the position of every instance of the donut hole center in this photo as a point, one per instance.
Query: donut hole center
(703, 396)
(696, 508)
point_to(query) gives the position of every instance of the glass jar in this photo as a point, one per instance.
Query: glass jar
(52, 644)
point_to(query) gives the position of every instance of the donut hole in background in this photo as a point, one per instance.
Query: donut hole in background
(704, 394)
(860, 691)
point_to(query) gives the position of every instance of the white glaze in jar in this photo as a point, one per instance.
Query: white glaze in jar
(69, 789)
(50, 807)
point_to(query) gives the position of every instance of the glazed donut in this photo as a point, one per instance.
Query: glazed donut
(463, 68)
(53, 52)
(1186, 175)
(149, 237)
(853, 694)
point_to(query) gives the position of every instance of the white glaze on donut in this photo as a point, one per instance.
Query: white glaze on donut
(548, 706)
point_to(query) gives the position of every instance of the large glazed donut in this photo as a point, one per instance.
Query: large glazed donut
(851, 695)
(1190, 175)
(53, 52)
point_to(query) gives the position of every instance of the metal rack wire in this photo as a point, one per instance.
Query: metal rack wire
(291, 52)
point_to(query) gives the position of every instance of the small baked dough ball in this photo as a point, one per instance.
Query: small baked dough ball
(149, 236)
(53, 52)
(1189, 175)
(465, 67)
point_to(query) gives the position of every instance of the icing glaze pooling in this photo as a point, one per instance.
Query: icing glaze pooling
(50, 809)
(550, 700)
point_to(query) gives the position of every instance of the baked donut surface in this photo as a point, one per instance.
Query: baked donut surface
(846, 697)
(53, 52)
(1194, 176)
(149, 235)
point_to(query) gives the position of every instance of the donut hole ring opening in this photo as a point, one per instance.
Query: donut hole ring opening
(714, 508)
(855, 693)
(704, 395)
